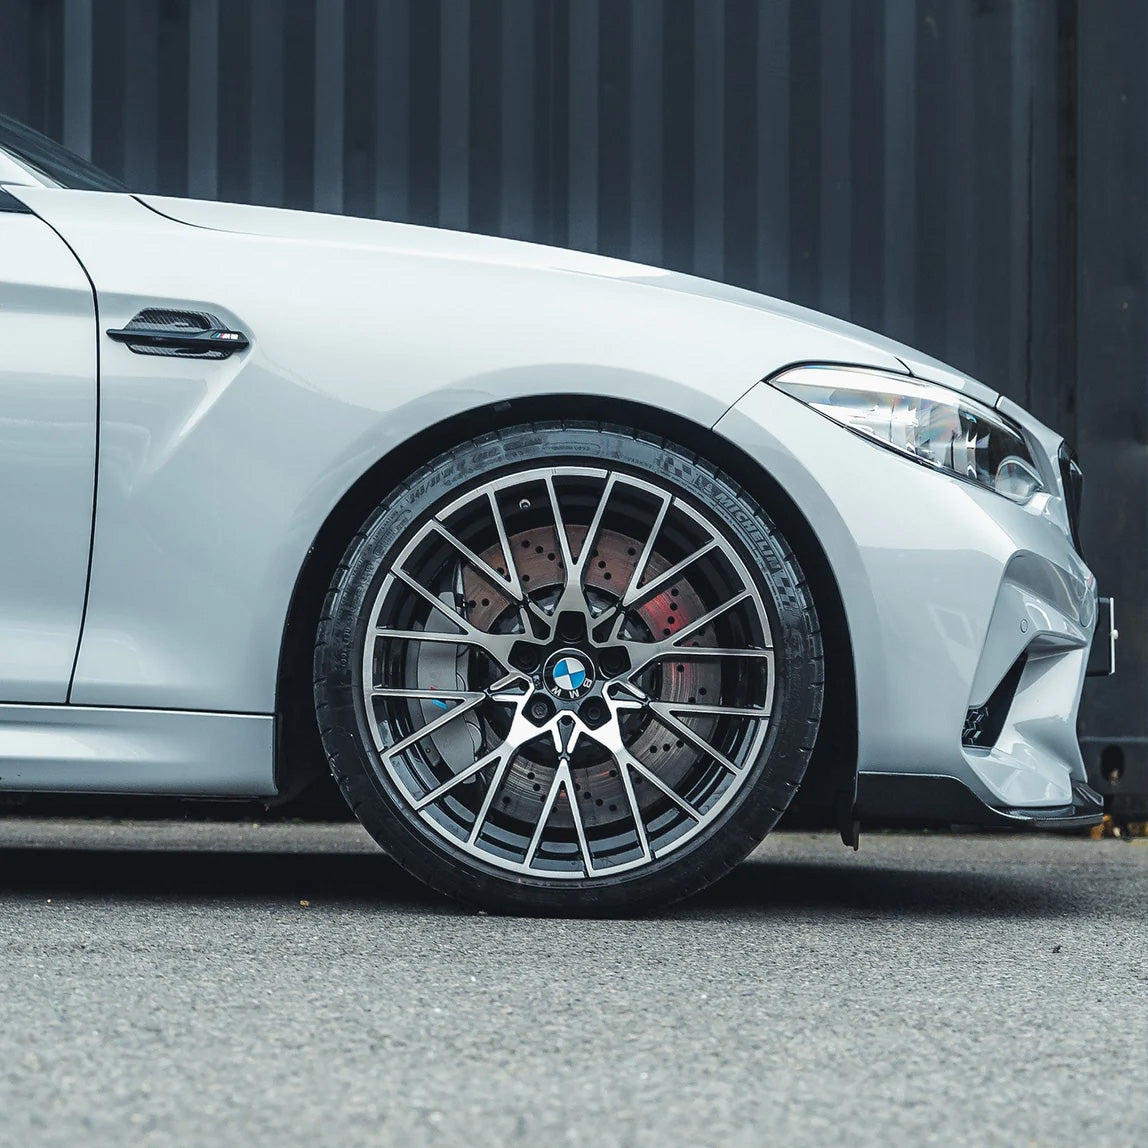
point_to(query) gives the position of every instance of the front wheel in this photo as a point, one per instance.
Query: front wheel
(568, 668)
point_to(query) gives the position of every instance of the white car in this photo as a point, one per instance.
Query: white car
(575, 572)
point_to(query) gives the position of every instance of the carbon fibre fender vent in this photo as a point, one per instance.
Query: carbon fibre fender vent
(179, 334)
(983, 724)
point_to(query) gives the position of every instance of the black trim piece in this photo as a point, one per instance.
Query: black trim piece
(186, 334)
(1072, 479)
(175, 219)
(52, 160)
(930, 800)
(1102, 653)
(983, 723)
(9, 204)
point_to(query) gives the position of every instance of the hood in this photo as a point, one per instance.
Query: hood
(437, 243)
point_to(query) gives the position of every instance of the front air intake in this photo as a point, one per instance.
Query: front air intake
(983, 724)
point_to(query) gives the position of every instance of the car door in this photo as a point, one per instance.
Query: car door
(48, 402)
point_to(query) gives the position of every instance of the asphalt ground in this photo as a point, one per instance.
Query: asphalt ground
(164, 983)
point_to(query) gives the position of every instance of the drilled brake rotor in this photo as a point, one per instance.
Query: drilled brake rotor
(538, 560)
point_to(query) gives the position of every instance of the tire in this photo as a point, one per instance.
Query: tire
(569, 738)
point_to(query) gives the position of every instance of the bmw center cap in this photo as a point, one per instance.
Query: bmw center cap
(568, 675)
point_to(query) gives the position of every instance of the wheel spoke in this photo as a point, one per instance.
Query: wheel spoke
(701, 709)
(610, 738)
(462, 775)
(562, 772)
(499, 581)
(496, 645)
(430, 727)
(512, 587)
(560, 529)
(595, 524)
(640, 565)
(526, 605)
(635, 811)
(701, 623)
(505, 757)
(648, 652)
(573, 589)
(668, 720)
(579, 825)
(504, 543)
(428, 694)
(648, 549)
(473, 639)
(641, 593)
(658, 783)
(442, 607)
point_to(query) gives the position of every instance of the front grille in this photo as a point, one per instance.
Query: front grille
(1072, 479)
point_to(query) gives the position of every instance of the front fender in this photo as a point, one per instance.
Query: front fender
(215, 477)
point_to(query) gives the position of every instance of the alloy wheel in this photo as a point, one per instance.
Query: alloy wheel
(567, 671)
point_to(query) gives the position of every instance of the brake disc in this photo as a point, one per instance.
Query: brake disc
(538, 560)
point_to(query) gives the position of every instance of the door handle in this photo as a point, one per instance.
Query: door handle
(182, 334)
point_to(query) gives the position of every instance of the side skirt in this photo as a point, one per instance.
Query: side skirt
(97, 749)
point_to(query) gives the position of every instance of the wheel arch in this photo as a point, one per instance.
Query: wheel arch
(826, 796)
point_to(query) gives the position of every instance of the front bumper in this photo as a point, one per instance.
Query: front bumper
(951, 594)
(896, 799)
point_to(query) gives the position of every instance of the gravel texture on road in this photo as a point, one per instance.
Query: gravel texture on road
(217, 984)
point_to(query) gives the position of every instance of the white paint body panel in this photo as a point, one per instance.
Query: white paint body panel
(47, 457)
(215, 477)
(66, 749)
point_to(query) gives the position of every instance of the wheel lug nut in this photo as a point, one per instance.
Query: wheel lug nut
(539, 710)
(594, 712)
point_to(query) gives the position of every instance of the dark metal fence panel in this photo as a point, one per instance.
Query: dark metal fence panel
(908, 164)
(1112, 396)
(894, 163)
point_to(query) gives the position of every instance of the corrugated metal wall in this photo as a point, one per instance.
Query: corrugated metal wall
(907, 164)
(1111, 396)
(895, 163)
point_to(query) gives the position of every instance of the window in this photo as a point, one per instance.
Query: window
(49, 161)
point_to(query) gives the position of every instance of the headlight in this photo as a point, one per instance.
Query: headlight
(931, 424)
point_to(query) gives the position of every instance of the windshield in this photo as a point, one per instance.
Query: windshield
(50, 161)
